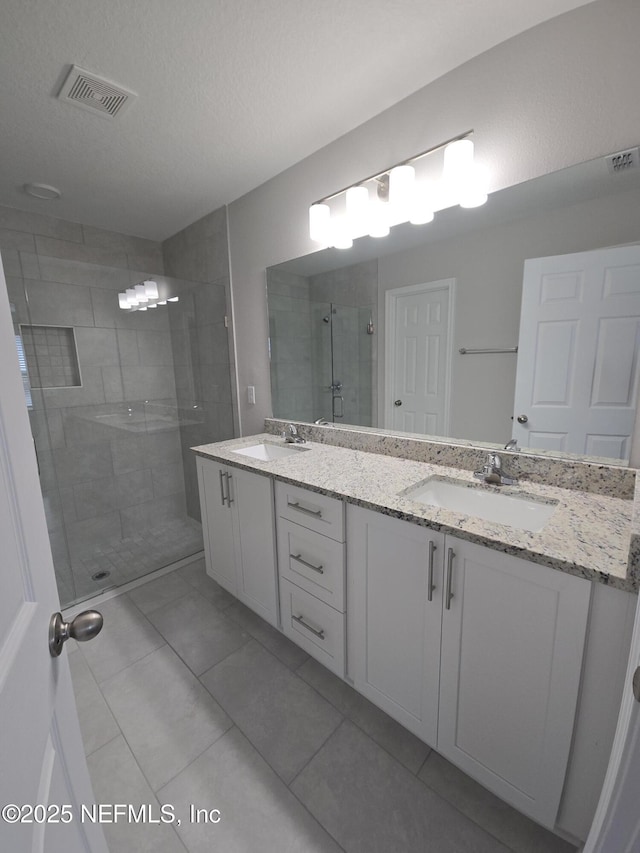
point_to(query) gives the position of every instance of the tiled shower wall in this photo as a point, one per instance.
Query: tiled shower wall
(290, 318)
(304, 346)
(104, 472)
(201, 342)
(353, 290)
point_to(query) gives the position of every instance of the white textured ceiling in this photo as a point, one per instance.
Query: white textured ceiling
(231, 92)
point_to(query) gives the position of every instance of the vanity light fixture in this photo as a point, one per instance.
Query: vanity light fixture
(399, 194)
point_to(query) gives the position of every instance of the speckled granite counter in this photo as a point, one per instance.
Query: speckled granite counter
(589, 534)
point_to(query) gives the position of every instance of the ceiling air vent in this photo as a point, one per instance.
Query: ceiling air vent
(91, 92)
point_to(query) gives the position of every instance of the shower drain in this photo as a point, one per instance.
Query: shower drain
(100, 576)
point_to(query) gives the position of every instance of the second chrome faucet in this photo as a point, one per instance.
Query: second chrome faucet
(492, 472)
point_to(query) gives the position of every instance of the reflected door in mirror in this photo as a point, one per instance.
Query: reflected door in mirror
(576, 384)
(418, 355)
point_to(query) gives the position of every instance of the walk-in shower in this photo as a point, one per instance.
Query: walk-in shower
(116, 398)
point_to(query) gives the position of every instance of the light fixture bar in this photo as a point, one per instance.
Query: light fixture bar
(406, 162)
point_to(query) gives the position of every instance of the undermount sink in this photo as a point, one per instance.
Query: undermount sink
(515, 510)
(266, 451)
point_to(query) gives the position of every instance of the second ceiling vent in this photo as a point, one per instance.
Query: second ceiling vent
(94, 93)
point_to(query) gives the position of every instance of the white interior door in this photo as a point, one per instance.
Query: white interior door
(577, 376)
(41, 755)
(418, 357)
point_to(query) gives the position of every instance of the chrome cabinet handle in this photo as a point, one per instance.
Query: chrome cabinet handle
(430, 584)
(449, 594)
(229, 478)
(222, 495)
(296, 505)
(298, 559)
(300, 621)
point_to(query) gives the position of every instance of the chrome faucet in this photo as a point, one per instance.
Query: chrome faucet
(512, 444)
(291, 435)
(492, 472)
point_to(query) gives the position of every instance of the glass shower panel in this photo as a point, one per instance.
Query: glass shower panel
(116, 399)
(341, 363)
(321, 374)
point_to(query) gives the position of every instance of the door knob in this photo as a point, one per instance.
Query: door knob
(397, 402)
(85, 626)
(522, 419)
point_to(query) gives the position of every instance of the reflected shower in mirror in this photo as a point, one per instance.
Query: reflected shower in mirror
(483, 252)
(322, 354)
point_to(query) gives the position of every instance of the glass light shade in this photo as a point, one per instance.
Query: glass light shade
(458, 157)
(151, 289)
(123, 301)
(474, 192)
(423, 205)
(131, 297)
(141, 295)
(162, 302)
(340, 233)
(174, 299)
(142, 308)
(152, 305)
(379, 219)
(320, 223)
(401, 187)
(457, 170)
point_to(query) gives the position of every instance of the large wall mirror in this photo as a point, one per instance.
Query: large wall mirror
(357, 336)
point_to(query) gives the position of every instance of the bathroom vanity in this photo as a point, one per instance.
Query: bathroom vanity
(501, 647)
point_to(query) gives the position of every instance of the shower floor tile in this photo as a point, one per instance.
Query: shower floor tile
(128, 559)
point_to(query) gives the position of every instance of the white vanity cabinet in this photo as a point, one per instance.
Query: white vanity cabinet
(513, 638)
(483, 663)
(310, 534)
(394, 617)
(239, 534)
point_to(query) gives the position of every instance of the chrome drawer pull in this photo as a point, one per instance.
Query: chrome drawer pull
(222, 494)
(300, 621)
(296, 505)
(298, 559)
(430, 584)
(229, 498)
(449, 594)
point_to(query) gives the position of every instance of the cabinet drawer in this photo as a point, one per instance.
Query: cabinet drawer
(312, 561)
(317, 512)
(313, 625)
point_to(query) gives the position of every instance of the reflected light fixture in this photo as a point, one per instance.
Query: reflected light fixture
(143, 295)
(400, 194)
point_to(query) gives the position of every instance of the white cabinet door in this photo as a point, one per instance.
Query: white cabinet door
(239, 534)
(394, 618)
(251, 499)
(217, 523)
(512, 646)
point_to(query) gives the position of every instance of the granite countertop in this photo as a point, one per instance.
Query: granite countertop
(588, 534)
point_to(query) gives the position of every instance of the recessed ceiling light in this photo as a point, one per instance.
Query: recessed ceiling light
(42, 191)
